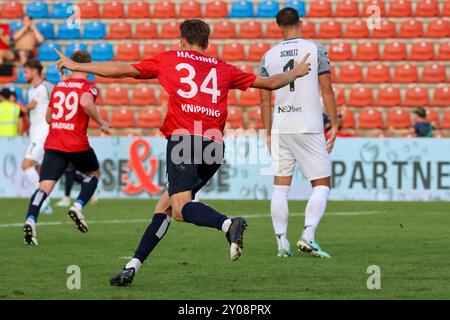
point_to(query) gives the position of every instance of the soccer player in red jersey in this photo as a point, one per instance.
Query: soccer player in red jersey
(71, 105)
(198, 86)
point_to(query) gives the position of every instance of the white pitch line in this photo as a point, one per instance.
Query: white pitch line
(125, 221)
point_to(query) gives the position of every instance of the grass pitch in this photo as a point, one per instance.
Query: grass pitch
(410, 242)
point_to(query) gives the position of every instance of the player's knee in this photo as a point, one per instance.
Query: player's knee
(94, 174)
(26, 165)
(177, 213)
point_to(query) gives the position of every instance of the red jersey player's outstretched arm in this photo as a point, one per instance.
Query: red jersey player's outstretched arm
(89, 107)
(103, 69)
(280, 80)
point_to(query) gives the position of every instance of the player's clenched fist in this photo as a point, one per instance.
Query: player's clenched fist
(302, 67)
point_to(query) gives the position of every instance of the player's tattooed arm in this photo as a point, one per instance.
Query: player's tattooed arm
(280, 80)
(89, 107)
(102, 69)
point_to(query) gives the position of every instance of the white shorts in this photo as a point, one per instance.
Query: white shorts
(35, 151)
(309, 150)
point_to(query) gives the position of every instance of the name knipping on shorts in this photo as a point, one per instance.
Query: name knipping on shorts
(63, 126)
(204, 110)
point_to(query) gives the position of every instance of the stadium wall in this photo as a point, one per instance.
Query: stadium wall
(364, 169)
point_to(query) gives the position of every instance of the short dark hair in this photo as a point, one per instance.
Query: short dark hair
(81, 56)
(421, 112)
(34, 64)
(195, 31)
(5, 93)
(287, 17)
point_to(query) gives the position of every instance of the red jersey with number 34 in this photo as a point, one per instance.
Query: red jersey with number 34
(68, 121)
(198, 86)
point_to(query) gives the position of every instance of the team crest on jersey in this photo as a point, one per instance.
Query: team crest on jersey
(93, 90)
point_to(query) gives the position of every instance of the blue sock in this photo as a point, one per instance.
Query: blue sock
(88, 187)
(201, 215)
(36, 201)
(154, 233)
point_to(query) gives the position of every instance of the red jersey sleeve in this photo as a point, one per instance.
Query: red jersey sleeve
(241, 80)
(149, 68)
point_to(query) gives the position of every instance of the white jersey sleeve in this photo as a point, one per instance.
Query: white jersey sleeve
(38, 124)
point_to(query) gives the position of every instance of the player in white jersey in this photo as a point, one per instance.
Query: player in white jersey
(296, 135)
(38, 100)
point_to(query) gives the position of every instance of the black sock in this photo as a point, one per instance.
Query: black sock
(154, 233)
(78, 176)
(36, 201)
(201, 215)
(88, 187)
(69, 182)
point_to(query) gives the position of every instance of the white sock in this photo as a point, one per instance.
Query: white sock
(279, 209)
(315, 209)
(226, 225)
(134, 263)
(78, 206)
(32, 177)
(282, 242)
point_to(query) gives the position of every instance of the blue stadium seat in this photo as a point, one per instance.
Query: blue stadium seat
(14, 26)
(102, 51)
(241, 9)
(94, 30)
(46, 52)
(267, 9)
(20, 76)
(17, 90)
(73, 46)
(67, 32)
(297, 5)
(37, 9)
(61, 10)
(46, 28)
(52, 74)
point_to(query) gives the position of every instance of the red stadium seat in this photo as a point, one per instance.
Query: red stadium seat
(367, 51)
(346, 8)
(119, 30)
(127, 52)
(190, 9)
(427, 8)
(250, 97)
(149, 118)
(254, 115)
(433, 116)
(416, 97)
(398, 119)
(388, 97)
(113, 10)
(170, 30)
(350, 73)
(164, 10)
(333, 74)
(387, 30)
(233, 52)
(330, 29)
(360, 97)
(224, 29)
(394, 51)
(175, 46)
(373, 7)
(446, 9)
(378, 73)
(235, 118)
(138, 10)
(308, 29)
(422, 51)
(438, 28)
(143, 96)
(89, 10)
(370, 119)
(441, 97)
(273, 31)
(212, 50)
(411, 29)
(216, 9)
(103, 113)
(444, 51)
(356, 29)
(320, 8)
(246, 68)
(341, 51)
(153, 49)
(339, 94)
(405, 73)
(257, 50)
(11, 10)
(146, 30)
(122, 118)
(433, 73)
(116, 96)
(250, 30)
(445, 124)
(348, 118)
(400, 8)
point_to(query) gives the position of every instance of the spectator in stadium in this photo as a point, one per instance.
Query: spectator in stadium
(422, 128)
(5, 42)
(9, 115)
(22, 126)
